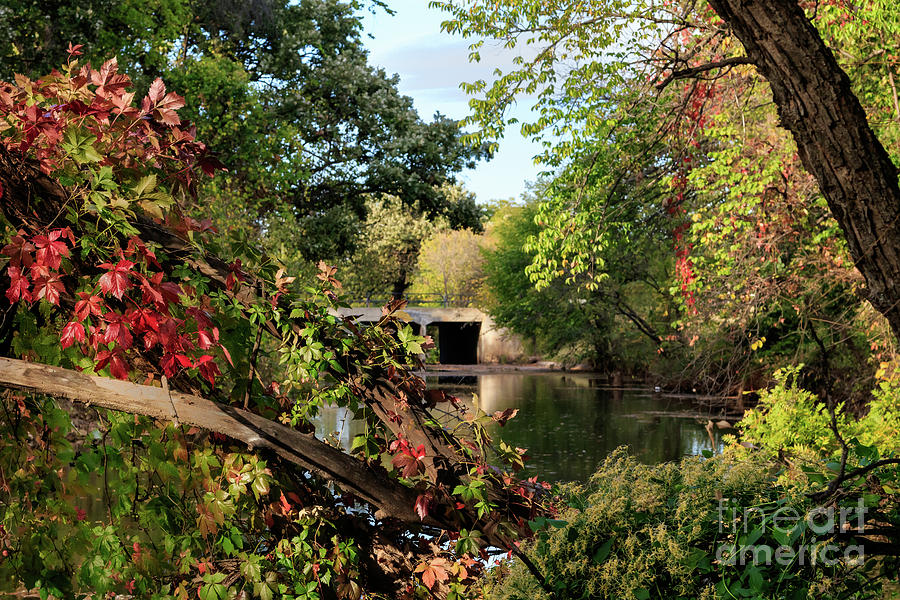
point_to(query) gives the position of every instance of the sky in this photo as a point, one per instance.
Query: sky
(431, 65)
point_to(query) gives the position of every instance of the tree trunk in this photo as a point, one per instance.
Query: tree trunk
(816, 103)
(400, 286)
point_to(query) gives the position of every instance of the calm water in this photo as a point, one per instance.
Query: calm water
(568, 422)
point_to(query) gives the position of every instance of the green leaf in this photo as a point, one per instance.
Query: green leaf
(603, 551)
(78, 144)
(145, 185)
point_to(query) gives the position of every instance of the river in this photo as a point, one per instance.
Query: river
(569, 422)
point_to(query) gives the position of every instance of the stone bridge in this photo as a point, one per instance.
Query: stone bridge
(464, 336)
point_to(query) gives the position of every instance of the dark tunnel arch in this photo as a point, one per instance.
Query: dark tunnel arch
(457, 341)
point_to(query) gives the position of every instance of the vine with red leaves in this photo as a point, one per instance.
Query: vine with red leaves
(108, 274)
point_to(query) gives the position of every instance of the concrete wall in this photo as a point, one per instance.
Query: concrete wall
(495, 344)
(498, 344)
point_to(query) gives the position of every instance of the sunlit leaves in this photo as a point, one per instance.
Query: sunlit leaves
(408, 460)
(48, 288)
(71, 333)
(88, 305)
(19, 288)
(51, 249)
(161, 104)
(433, 572)
(116, 280)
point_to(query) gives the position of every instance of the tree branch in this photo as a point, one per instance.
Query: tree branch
(837, 481)
(694, 71)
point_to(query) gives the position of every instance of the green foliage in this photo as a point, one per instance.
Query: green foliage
(450, 267)
(307, 125)
(577, 323)
(636, 532)
(387, 250)
(645, 163)
(543, 316)
(789, 418)
(124, 504)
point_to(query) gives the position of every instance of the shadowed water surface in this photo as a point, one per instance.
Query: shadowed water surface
(568, 422)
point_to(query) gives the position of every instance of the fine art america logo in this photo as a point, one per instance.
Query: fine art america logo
(802, 539)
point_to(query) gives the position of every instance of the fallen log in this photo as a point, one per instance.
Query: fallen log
(368, 482)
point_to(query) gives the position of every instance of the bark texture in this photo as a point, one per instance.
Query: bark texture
(836, 144)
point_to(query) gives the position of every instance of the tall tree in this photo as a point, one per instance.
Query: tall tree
(611, 81)
(816, 103)
(282, 89)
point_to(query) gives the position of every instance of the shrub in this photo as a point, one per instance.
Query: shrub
(635, 532)
(789, 418)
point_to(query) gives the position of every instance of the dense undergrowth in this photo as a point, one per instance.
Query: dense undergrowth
(751, 522)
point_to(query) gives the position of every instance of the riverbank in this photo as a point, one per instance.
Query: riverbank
(544, 366)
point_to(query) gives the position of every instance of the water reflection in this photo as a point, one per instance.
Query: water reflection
(568, 423)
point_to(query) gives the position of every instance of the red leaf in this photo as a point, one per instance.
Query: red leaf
(210, 164)
(71, 333)
(205, 339)
(433, 572)
(118, 366)
(88, 305)
(227, 354)
(200, 315)
(161, 292)
(49, 288)
(424, 502)
(51, 249)
(109, 82)
(503, 416)
(137, 244)
(19, 250)
(165, 109)
(284, 504)
(116, 280)
(39, 271)
(208, 368)
(18, 289)
(157, 89)
(410, 463)
(117, 332)
(142, 319)
(122, 102)
(234, 275)
(172, 363)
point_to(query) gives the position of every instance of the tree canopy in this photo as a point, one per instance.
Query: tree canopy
(283, 91)
(658, 115)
